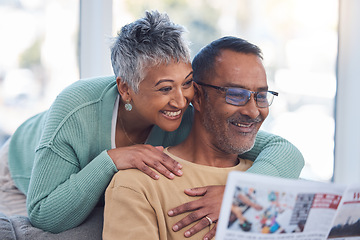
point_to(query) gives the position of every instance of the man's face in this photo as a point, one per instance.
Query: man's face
(233, 128)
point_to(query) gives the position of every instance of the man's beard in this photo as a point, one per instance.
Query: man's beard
(225, 140)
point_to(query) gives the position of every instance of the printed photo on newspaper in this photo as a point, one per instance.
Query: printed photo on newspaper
(263, 207)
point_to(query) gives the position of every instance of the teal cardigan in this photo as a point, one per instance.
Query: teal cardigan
(59, 158)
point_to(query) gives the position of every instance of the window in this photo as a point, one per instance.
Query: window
(38, 57)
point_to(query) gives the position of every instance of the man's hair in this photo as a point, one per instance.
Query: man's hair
(147, 42)
(204, 62)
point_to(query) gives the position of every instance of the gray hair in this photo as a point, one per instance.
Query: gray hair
(147, 42)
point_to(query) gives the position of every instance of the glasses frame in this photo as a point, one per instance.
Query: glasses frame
(225, 89)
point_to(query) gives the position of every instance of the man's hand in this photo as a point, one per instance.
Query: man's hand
(206, 207)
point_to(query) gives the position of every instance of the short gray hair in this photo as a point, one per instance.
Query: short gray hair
(147, 42)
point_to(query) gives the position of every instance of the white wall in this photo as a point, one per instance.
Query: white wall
(347, 138)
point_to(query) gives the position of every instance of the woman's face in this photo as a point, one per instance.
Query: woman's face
(164, 95)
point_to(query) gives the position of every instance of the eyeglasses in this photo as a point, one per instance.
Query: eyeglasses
(239, 96)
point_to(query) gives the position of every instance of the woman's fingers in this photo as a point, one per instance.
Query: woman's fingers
(147, 170)
(145, 157)
(162, 163)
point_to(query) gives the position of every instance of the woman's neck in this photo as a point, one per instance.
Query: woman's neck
(130, 129)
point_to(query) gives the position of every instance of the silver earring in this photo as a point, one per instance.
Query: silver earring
(128, 106)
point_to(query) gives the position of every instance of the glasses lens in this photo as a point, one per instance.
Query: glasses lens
(237, 96)
(264, 99)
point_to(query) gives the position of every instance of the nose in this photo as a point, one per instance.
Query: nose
(179, 100)
(250, 109)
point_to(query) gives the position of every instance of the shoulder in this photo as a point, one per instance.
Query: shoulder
(86, 90)
(131, 178)
(139, 182)
(82, 93)
(76, 104)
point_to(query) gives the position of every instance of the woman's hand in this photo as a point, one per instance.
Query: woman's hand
(143, 157)
(207, 206)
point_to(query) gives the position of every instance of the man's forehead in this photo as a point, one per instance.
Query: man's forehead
(226, 55)
(239, 69)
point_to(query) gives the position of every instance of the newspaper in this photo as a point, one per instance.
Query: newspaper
(260, 207)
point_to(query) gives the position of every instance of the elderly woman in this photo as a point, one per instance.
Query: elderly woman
(64, 158)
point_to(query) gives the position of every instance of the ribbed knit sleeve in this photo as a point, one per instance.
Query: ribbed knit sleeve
(275, 156)
(71, 167)
(60, 189)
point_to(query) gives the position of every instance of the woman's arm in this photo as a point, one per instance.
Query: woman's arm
(274, 156)
(64, 192)
(61, 194)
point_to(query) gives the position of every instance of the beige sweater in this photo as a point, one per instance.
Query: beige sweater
(136, 206)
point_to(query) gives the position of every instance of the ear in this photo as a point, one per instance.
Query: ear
(123, 88)
(198, 97)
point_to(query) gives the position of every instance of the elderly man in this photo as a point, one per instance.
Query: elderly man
(231, 102)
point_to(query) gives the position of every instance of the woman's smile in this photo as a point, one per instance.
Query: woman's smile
(172, 114)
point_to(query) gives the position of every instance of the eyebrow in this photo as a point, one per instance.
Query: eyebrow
(163, 80)
(169, 80)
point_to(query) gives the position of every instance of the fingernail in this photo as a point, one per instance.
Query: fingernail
(175, 227)
(157, 176)
(179, 165)
(172, 175)
(170, 213)
(179, 172)
(187, 234)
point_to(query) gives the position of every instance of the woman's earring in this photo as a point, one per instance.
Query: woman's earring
(128, 106)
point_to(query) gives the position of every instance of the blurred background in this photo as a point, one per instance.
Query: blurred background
(47, 45)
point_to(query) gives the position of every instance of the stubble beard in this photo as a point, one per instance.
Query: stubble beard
(225, 140)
